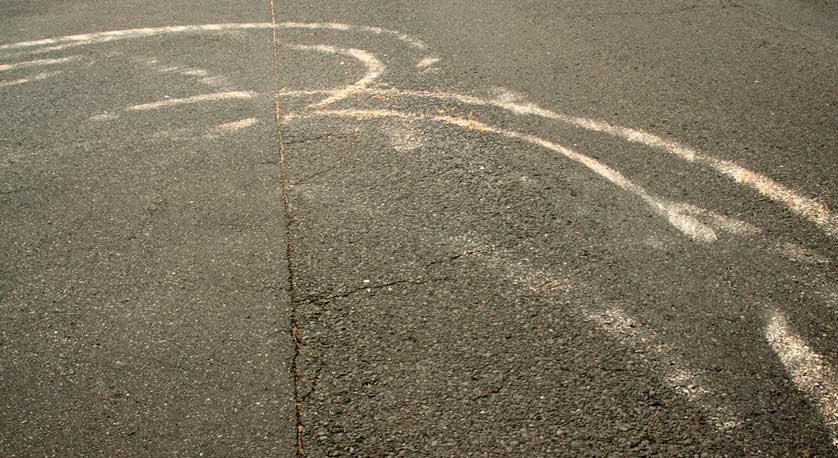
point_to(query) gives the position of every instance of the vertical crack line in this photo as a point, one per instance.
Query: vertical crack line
(292, 292)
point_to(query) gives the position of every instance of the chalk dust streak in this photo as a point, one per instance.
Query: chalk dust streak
(688, 225)
(194, 99)
(809, 371)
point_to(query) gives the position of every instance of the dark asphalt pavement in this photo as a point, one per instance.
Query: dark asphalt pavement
(426, 228)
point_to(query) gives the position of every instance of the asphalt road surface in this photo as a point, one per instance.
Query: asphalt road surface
(419, 228)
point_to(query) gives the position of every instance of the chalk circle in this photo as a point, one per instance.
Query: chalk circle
(697, 224)
(808, 208)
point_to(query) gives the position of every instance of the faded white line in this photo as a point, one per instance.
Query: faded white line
(216, 81)
(113, 35)
(231, 95)
(409, 40)
(720, 222)
(39, 77)
(427, 62)
(806, 207)
(37, 63)
(676, 372)
(202, 75)
(49, 49)
(403, 137)
(801, 254)
(613, 320)
(687, 224)
(373, 66)
(230, 128)
(194, 72)
(37, 51)
(810, 372)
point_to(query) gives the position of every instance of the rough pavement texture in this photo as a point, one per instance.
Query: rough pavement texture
(480, 259)
(143, 286)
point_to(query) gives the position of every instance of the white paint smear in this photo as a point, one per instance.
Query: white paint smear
(805, 207)
(216, 81)
(687, 224)
(114, 35)
(427, 62)
(717, 221)
(677, 374)
(231, 95)
(37, 51)
(230, 128)
(403, 137)
(38, 77)
(407, 39)
(801, 254)
(194, 72)
(203, 75)
(37, 63)
(504, 95)
(105, 37)
(373, 66)
(810, 372)
(613, 320)
(103, 117)
(49, 49)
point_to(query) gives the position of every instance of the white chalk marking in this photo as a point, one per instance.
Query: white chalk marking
(504, 95)
(805, 207)
(676, 372)
(37, 63)
(798, 253)
(831, 298)
(314, 92)
(38, 51)
(113, 35)
(407, 39)
(374, 69)
(103, 117)
(194, 72)
(810, 372)
(613, 320)
(230, 128)
(194, 99)
(216, 81)
(49, 49)
(688, 225)
(39, 77)
(404, 138)
(720, 222)
(427, 62)
(809, 208)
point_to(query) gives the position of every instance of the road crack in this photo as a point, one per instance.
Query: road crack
(291, 287)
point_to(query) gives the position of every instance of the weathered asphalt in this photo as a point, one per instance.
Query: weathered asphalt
(444, 279)
(143, 286)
